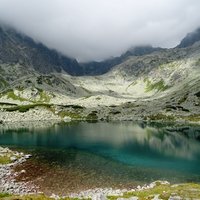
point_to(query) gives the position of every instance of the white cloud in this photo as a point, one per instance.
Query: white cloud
(98, 29)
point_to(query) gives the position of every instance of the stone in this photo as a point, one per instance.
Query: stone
(175, 198)
(13, 158)
(27, 156)
(67, 119)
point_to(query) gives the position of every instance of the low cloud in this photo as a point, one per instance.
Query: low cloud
(98, 29)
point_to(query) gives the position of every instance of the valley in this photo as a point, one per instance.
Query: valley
(162, 85)
(99, 100)
(147, 99)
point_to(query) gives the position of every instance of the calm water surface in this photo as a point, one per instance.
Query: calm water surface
(80, 156)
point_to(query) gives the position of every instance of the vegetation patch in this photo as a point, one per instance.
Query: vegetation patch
(44, 97)
(193, 118)
(169, 65)
(160, 116)
(159, 86)
(11, 95)
(2, 195)
(72, 115)
(5, 160)
(25, 108)
(92, 116)
(164, 191)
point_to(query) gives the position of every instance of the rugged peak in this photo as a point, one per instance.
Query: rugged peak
(98, 68)
(18, 48)
(140, 50)
(190, 39)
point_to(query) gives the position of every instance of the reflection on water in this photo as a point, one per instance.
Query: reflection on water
(120, 152)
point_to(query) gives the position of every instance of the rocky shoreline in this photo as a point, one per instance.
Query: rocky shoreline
(27, 190)
(8, 185)
(7, 175)
(37, 115)
(103, 194)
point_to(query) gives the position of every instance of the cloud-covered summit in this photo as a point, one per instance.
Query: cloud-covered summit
(95, 30)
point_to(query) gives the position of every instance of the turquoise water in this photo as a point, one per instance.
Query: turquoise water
(123, 154)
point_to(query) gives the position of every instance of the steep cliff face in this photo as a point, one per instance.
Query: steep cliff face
(98, 68)
(190, 39)
(144, 83)
(16, 48)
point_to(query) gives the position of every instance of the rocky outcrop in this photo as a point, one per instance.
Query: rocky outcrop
(163, 85)
(190, 39)
(37, 114)
(17, 48)
(7, 175)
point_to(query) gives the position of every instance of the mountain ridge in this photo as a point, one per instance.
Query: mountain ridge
(163, 85)
(19, 48)
(190, 39)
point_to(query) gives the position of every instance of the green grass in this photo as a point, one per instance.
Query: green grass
(193, 118)
(190, 191)
(44, 97)
(169, 65)
(11, 95)
(163, 191)
(72, 115)
(159, 86)
(160, 116)
(25, 108)
(4, 160)
(2, 195)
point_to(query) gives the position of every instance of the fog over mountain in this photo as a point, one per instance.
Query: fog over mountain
(96, 30)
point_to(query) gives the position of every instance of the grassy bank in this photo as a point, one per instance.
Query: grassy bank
(164, 192)
(159, 191)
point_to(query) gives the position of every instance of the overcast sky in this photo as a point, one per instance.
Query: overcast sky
(97, 29)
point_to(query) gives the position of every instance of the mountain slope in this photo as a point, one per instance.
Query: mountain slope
(162, 85)
(16, 48)
(190, 39)
(98, 68)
